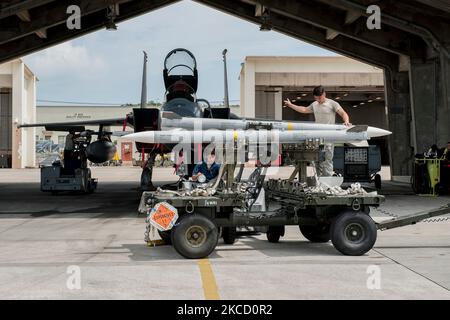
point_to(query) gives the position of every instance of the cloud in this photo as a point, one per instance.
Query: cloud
(66, 60)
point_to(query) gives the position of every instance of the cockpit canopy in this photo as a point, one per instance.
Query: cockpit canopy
(180, 74)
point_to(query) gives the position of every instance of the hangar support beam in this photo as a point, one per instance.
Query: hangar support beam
(15, 6)
(309, 33)
(93, 20)
(426, 21)
(430, 85)
(11, 29)
(401, 151)
(326, 17)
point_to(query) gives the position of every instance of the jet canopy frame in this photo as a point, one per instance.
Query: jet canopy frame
(180, 65)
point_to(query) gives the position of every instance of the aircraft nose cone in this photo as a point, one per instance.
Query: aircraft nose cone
(377, 132)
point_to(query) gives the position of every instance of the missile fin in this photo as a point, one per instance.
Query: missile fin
(362, 143)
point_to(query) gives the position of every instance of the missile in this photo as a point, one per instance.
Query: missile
(170, 120)
(354, 134)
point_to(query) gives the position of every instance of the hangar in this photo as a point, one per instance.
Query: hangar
(267, 81)
(17, 105)
(411, 45)
(358, 87)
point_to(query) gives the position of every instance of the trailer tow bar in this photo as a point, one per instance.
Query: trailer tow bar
(413, 218)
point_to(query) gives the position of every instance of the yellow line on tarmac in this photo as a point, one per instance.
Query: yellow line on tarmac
(208, 280)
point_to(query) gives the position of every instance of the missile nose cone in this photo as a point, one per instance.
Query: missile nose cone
(373, 132)
(129, 136)
(137, 136)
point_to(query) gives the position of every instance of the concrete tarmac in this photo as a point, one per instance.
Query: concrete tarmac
(92, 247)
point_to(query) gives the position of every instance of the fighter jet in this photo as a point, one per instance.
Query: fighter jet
(180, 76)
(154, 129)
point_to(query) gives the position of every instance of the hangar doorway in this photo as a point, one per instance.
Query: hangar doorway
(5, 127)
(357, 87)
(363, 105)
(410, 44)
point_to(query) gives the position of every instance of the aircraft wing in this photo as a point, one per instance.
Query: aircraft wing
(80, 125)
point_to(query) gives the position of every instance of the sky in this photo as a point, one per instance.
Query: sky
(106, 66)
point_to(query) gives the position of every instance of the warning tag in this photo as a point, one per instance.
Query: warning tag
(163, 216)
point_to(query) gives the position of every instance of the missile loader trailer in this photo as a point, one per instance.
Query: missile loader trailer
(344, 220)
(204, 215)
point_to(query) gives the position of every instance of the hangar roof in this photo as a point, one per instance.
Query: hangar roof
(416, 29)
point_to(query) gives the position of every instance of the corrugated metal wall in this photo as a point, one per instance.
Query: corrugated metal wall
(5, 127)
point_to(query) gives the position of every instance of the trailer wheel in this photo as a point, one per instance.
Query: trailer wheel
(195, 236)
(319, 233)
(274, 233)
(229, 235)
(90, 188)
(166, 236)
(353, 233)
(377, 181)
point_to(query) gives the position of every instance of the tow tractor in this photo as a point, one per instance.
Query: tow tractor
(194, 220)
(74, 175)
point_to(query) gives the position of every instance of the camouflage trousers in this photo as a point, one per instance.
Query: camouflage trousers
(325, 168)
